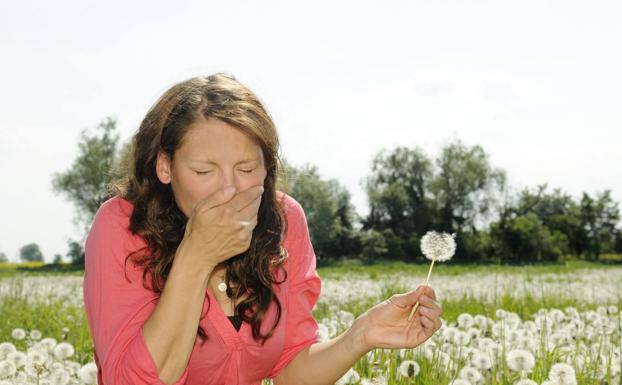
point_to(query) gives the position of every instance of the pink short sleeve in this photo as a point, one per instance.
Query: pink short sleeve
(117, 308)
(301, 328)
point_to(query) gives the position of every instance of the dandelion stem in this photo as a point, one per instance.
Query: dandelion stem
(426, 284)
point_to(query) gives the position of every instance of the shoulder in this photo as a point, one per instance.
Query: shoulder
(111, 221)
(294, 213)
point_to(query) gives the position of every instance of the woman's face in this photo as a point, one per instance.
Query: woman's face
(213, 155)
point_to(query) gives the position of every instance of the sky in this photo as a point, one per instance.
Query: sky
(535, 83)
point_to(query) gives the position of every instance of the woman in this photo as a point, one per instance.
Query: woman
(198, 271)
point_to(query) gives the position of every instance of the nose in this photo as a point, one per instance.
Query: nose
(228, 179)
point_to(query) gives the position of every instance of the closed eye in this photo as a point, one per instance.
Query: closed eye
(203, 172)
(248, 171)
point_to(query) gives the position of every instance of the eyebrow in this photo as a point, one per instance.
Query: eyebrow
(209, 161)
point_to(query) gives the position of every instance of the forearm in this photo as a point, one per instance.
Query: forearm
(325, 362)
(171, 330)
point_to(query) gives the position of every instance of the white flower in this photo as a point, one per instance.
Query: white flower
(408, 368)
(18, 334)
(471, 374)
(465, 321)
(18, 358)
(49, 343)
(563, 374)
(520, 360)
(63, 350)
(6, 348)
(460, 381)
(350, 377)
(88, 374)
(7, 369)
(35, 334)
(525, 381)
(481, 361)
(37, 356)
(438, 246)
(59, 377)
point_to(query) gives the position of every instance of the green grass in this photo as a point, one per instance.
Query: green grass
(51, 317)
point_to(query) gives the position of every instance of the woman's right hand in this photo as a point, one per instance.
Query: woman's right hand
(221, 226)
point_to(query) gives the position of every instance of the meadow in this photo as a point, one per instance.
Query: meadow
(549, 324)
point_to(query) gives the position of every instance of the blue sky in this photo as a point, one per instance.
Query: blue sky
(536, 83)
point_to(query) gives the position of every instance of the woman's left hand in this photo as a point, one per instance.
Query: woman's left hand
(386, 324)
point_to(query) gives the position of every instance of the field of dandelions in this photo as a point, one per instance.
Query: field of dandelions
(501, 325)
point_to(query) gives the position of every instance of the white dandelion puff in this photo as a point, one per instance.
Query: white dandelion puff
(35, 334)
(460, 381)
(63, 350)
(88, 373)
(438, 246)
(18, 333)
(471, 374)
(520, 360)
(525, 381)
(563, 374)
(18, 358)
(7, 369)
(408, 368)
(481, 361)
(37, 356)
(5, 349)
(59, 377)
(350, 377)
(435, 246)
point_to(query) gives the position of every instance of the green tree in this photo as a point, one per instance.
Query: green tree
(397, 191)
(466, 188)
(85, 183)
(58, 259)
(3, 258)
(75, 253)
(330, 215)
(30, 253)
(599, 218)
(525, 238)
(557, 210)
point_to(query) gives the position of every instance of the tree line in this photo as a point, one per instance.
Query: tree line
(408, 193)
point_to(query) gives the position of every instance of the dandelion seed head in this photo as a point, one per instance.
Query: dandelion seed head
(88, 374)
(7, 369)
(59, 377)
(408, 368)
(18, 358)
(563, 374)
(460, 381)
(471, 374)
(18, 333)
(63, 350)
(35, 334)
(5, 349)
(520, 360)
(525, 381)
(438, 246)
(481, 361)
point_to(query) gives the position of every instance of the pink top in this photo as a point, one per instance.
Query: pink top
(116, 310)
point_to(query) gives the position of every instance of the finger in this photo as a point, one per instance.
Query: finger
(249, 212)
(427, 301)
(427, 323)
(217, 198)
(429, 291)
(245, 198)
(407, 299)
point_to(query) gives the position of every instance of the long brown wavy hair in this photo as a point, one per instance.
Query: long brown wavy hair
(157, 218)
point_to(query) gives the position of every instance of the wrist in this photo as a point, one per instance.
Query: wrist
(357, 336)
